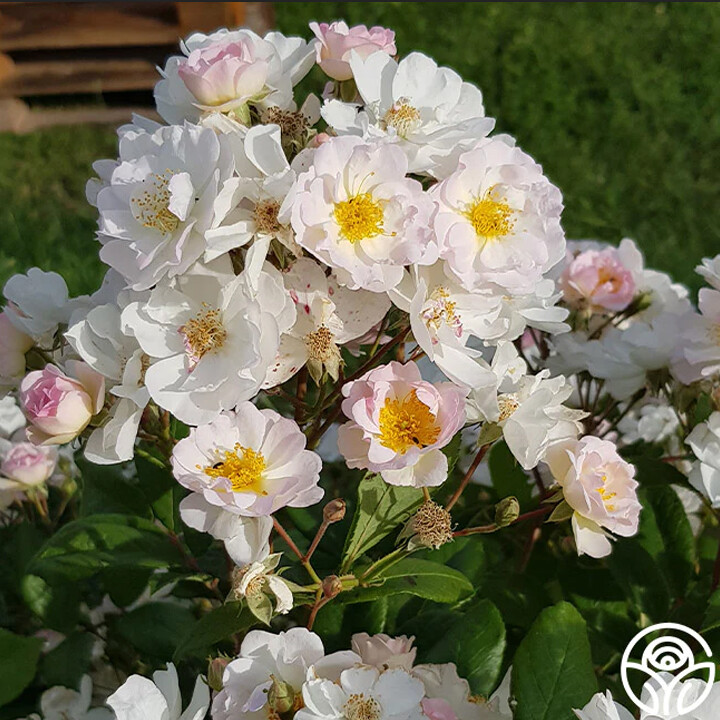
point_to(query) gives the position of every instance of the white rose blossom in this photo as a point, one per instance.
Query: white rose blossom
(704, 441)
(328, 316)
(355, 210)
(498, 218)
(211, 338)
(226, 70)
(158, 699)
(158, 201)
(427, 110)
(264, 659)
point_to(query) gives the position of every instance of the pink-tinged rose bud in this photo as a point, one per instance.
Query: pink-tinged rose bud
(320, 139)
(600, 487)
(437, 709)
(59, 407)
(337, 41)
(398, 424)
(598, 279)
(385, 652)
(13, 346)
(224, 75)
(28, 464)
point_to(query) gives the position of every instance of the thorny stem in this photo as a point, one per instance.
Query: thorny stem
(468, 476)
(324, 525)
(319, 427)
(280, 530)
(320, 602)
(485, 529)
(633, 401)
(300, 394)
(716, 568)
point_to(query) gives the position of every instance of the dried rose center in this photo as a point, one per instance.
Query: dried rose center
(440, 310)
(203, 334)
(320, 345)
(292, 123)
(713, 333)
(491, 217)
(150, 207)
(360, 217)
(407, 422)
(359, 707)
(403, 117)
(243, 467)
(507, 404)
(266, 217)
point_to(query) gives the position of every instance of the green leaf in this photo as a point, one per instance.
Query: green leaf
(475, 642)
(640, 577)
(106, 490)
(677, 554)
(561, 513)
(652, 471)
(712, 614)
(156, 628)
(161, 491)
(380, 509)
(69, 661)
(508, 478)
(422, 578)
(83, 547)
(18, 661)
(57, 605)
(218, 625)
(124, 585)
(552, 669)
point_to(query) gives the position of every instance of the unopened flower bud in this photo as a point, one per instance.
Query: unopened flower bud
(216, 669)
(507, 511)
(332, 586)
(334, 511)
(281, 696)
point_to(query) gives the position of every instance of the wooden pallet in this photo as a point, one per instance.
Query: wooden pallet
(73, 50)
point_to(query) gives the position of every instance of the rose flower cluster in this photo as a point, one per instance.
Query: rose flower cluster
(371, 275)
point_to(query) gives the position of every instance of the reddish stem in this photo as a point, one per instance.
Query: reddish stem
(468, 476)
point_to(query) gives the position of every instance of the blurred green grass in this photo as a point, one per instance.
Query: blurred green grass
(620, 102)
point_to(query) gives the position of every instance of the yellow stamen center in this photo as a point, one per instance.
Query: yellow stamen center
(403, 117)
(360, 217)
(243, 467)
(606, 496)
(405, 423)
(204, 333)
(441, 310)
(150, 206)
(359, 707)
(490, 217)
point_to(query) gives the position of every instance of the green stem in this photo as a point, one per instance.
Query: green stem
(145, 455)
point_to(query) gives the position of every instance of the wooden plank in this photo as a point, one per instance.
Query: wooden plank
(16, 116)
(209, 16)
(78, 76)
(34, 26)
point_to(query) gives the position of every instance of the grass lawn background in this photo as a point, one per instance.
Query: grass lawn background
(619, 102)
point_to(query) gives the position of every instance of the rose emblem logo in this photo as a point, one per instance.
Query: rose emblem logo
(666, 662)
